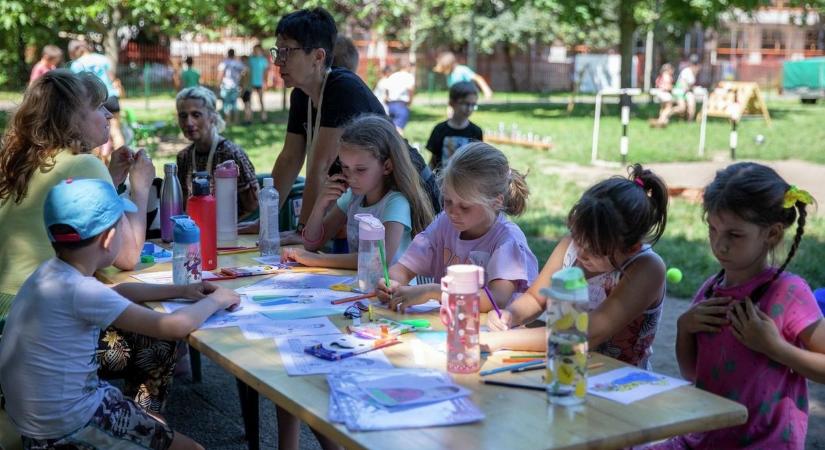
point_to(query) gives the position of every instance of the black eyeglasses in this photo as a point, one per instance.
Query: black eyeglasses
(354, 311)
(280, 54)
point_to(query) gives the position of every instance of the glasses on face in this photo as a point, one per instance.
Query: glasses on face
(470, 106)
(354, 311)
(280, 54)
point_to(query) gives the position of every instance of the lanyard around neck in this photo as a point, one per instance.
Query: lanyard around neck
(313, 129)
(213, 147)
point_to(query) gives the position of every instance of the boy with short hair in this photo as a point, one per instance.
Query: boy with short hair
(49, 60)
(48, 359)
(457, 131)
(190, 76)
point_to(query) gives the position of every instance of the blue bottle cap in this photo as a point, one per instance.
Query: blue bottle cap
(185, 230)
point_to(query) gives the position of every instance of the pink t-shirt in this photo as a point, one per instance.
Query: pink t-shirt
(39, 69)
(502, 252)
(776, 397)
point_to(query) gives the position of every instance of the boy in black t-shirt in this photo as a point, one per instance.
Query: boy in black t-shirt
(453, 133)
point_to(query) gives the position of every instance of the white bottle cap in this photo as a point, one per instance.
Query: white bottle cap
(369, 228)
(268, 182)
(463, 279)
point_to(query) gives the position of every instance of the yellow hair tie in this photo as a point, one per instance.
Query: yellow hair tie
(794, 195)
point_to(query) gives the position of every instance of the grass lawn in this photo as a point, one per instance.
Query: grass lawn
(796, 132)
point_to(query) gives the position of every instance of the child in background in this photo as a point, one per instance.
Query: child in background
(754, 332)
(613, 227)
(48, 356)
(246, 92)
(51, 57)
(378, 178)
(448, 136)
(447, 65)
(479, 188)
(258, 66)
(190, 76)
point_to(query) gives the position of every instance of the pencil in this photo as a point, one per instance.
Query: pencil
(511, 367)
(532, 387)
(593, 366)
(520, 360)
(539, 355)
(493, 301)
(352, 299)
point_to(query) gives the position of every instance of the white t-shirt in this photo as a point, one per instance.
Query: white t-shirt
(48, 368)
(399, 85)
(232, 70)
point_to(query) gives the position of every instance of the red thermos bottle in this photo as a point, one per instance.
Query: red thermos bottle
(201, 208)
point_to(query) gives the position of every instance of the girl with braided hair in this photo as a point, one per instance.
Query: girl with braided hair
(754, 333)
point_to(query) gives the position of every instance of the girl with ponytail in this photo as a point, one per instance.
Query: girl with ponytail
(613, 228)
(479, 190)
(754, 332)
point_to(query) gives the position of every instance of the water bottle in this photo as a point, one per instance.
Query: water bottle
(567, 321)
(201, 207)
(186, 251)
(268, 238)
(460, 290)
(226, 196)
(171, 200)
(371, 256)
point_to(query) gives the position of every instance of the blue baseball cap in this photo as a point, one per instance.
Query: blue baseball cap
(90, 206)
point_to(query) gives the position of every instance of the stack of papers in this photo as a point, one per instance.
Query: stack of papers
(297, 362)
(367, 400)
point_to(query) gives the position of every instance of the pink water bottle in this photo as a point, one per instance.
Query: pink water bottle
(226, 197)
(460, 302)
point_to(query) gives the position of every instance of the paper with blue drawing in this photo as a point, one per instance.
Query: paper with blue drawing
(629, 384)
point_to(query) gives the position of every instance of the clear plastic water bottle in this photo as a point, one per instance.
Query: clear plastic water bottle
(171, 200)
(186, 252)
(226, 197)
(567, 322)
(269, 240)
(460, 290)
(370, 251)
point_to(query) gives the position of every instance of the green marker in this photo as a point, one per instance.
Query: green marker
(384, 263)
(416, 323)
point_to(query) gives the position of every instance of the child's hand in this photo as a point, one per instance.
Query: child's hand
(334, 188)
(406, 296)
(386, 293)
(706, 317)
(753, 328)
(197, 291)
(226, 298)
(502, 323)
(300, 255)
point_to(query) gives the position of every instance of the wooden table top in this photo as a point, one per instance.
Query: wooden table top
(515, 418)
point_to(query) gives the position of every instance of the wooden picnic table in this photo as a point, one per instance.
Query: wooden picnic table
(515, 418)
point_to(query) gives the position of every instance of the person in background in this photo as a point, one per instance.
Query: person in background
(246, 92)
(400, 89)
(50, 58)
(190, 76)
(447, 65)
(200, 122)
(344, 54)
(230, 71)
(258, 66)
(448, 136)
(664, 87)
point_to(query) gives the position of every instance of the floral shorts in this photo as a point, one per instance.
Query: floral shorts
(118, 423)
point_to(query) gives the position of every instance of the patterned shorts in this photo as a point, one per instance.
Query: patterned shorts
(118, 423)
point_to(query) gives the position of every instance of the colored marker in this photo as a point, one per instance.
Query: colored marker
(493, 301)
(352, 299)
(531, 387)
(511, 367)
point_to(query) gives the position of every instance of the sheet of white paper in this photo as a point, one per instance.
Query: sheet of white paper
(269, 328)
(629, 384)
(165, 277)
(297, 362)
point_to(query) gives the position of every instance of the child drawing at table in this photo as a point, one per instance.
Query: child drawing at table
(378, 178)
(479, 189)
(613, 227)
(49, 361)
(754, 332)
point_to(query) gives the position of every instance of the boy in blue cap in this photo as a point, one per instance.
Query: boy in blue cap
(48, 358)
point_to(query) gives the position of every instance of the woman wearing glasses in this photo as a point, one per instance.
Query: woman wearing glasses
(323, 100)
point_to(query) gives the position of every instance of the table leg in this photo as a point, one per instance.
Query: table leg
(195, 364)
(250, 414)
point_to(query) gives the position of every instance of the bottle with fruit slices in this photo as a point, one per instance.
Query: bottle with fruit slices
(567, 321)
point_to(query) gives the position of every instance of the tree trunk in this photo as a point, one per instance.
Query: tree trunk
(511, 71)
(111, 45)
(471, 44)
(22, 68)
(529, 80)
(627, 27)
